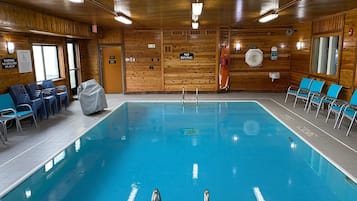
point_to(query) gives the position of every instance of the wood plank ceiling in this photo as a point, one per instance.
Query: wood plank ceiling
(177, 13)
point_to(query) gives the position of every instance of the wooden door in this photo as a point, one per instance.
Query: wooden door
(112, 69)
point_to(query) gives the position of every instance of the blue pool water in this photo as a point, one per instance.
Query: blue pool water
(236, 150)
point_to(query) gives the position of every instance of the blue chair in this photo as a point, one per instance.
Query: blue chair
(339, 105)
(20, 96)
(8, 111)
(59, 91)
(319, 100)
(315, 88)
(349, 111)
(49, 100)
(304, 85)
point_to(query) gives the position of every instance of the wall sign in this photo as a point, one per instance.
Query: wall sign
(186, 56)
(25, 63)
(8, 63)
(112, 60)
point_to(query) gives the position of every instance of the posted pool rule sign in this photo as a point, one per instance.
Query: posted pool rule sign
(8, 63)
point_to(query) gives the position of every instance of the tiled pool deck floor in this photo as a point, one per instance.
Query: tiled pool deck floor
(25, 152)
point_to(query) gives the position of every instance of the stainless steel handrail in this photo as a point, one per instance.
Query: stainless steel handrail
(156, 195)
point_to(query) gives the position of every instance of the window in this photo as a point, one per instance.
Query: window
(46, 62)
(325, 55)
(72, 65)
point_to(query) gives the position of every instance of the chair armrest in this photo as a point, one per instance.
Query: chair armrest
(293, 87)
(48, 91)
(61, 88)
(24, 106)
(7, 110)
(339, 102)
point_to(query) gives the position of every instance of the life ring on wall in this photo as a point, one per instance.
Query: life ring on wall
(254, 57)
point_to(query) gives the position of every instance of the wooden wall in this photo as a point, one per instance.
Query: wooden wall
(300, 59)
(161, 69)
(143, 69)
(12, 76)
(24, 27)
(25, 20)
(198, 73)
(22, 41)
(243, 77)
(347, 76)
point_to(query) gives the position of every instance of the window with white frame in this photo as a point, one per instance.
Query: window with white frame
(325, 55)
(46, 62)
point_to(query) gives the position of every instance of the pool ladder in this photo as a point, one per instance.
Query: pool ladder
(157, 197)
(183, 95)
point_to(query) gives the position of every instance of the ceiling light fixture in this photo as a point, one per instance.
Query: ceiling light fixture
(123, 19)
(268, 16)
(197, 8)
(76, 1)
(272, 14)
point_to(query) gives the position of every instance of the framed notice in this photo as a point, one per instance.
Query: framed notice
(24, 61)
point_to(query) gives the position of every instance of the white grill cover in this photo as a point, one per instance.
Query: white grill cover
(91, 97)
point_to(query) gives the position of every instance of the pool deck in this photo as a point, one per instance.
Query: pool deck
(25, 152)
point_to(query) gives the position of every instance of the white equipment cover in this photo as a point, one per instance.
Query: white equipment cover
(92, 97)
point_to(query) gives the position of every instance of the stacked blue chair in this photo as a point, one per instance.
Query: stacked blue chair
(8, 111)
(315, 88)
(20, 96)
(319, 100)
(304, 85)
(349, 111)
(59, 91)
(49, 99)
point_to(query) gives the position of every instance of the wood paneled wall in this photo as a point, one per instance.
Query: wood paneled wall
(12, 76)
(243, 77)
(300, 59)
(25, 27)
(143, 69)
(198, 73)
(24, 20)
(160, 68)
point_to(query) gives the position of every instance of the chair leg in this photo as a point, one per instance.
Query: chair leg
(309, 107)
(34, 121)
(295, 101)
(306, 104)
(2, 133)
(18, 125)
(286, 97)
(349, 128)
(339, 125)
(328, 115)
(318, 109)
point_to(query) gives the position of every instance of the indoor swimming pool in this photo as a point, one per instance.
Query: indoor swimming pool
(237, 151)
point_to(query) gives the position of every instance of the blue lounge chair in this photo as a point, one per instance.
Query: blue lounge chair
(304, 85)
(8, 111)
(349, 111)
(59, 91)
(319, 100)
(315, 88)
(339, 105)
(20, 96)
